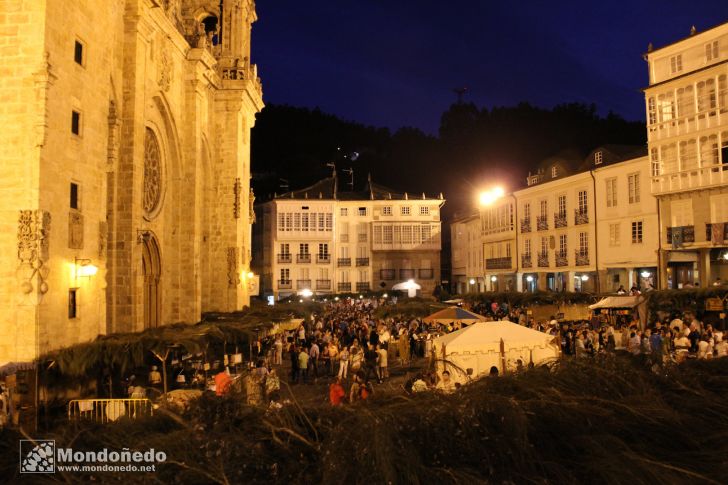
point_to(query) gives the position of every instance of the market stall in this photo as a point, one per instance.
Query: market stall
(454, 315)
(614, 306)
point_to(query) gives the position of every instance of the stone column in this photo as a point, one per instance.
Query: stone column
(704, 267)
(519, 282)
(570, 281)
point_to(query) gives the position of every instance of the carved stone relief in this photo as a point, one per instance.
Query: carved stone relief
(251, 202)
(236, 199)
(75, 230)
(232, 260)
(165, 69)
(33, 250)
(103, 238)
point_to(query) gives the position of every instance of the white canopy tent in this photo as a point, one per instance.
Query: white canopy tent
(469, 353)
(409, 286)
(638, 303)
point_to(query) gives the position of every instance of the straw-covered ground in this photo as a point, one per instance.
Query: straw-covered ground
(610, 420)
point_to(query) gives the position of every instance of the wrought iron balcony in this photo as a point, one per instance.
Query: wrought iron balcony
(362, 261)
(581, 217)
(560, 220)
(285, 284)
(343, 262)
(406, 274)
(542, 223)
(543, 260)
(284, 258)
(719, 237)
(427, 274)
(526, 261)
(323, 284)
(688, 234)
(303, 258)
(498, 263)
(344, 286)
(387, 274)
(303, 284)
(323, 258)
(582, 258)
(562, 259)
(362, 286)
(526, 225)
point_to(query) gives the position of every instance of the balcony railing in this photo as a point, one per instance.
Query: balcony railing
(721, 235)
(542, 223)
(285, 284)
(362, 261)
(343, 262)
(406, 274)
(387, 274)
(582, 257)
(581, 217)
(303, 258)
(688, 235)
(323, 258)
(690, 179)
(109, 410)
(560, 220)
(344, 286)
(562, 259)
(526, 261)
(498, 263)
(362, 286)
(526, 225)
(543, 260)
(427, 274)
(284, 258)
(303, 284)
(323, 284)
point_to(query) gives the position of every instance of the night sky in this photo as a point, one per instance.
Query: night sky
(395, 62)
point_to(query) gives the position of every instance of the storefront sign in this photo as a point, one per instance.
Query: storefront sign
(714, 304)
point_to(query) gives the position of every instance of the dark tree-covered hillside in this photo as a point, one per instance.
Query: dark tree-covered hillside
(475, 147)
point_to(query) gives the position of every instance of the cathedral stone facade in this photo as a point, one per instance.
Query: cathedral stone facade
(125, 200)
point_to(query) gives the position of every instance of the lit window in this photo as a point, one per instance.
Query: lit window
(711, 51)
(404, 210)
(676, 63)
(637, 232)
(598, 157)
(554, 172)
(611, 192)
(424, 211)
(633, 183)
(387, 210)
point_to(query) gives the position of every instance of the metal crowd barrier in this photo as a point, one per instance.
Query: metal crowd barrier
(109, 410)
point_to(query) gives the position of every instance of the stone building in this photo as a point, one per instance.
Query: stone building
(328, 241)
(687, 135)
(124, 166)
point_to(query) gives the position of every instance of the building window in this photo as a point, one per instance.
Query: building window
(78, 53)
(562, 206)
(598, 155)
(651, 111)
(285, 249)
(343, 212)
(303, 249)
(362, 211)
(72, 303)
(611, 192)
(285, 274)
(583, 242)
(387, 210)
(544, 245)
(76, 123)
(544, 208)
(323, 251)
(74, 196)
(633, 184)
(424, 210)
(676, 63)
(562, 244)
(527, 210)
(329, 222)
(404, 210)
(614, 234)
(387, 235)
(711, 51)
(583, 206)
(655, 162)
(637, 232)
(527, 248)
(554, 172)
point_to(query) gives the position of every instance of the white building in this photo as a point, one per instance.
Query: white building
(330, 241)
(687, 133)
(467, 254)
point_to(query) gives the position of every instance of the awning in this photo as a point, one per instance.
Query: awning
(618, 302)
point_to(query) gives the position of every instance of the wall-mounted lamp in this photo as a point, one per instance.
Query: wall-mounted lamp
(493, 278)
(82, 268)
(529, 278)
(645, 274)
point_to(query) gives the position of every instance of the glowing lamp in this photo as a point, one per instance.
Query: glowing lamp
(306, 293)
(645, 274)
(472, 281)
(584, 277)
(529, 278)
(493, 278)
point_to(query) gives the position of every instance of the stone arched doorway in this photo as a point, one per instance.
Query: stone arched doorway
(152, 270)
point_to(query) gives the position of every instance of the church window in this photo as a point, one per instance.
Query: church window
(74, 196)
(76, 122)
(152, 174)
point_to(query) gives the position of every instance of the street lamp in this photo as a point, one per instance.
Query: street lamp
(488, 197)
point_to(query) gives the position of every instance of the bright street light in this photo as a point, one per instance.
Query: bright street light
(472, 281)
(645, 274)
(493, 278)
(489, 196)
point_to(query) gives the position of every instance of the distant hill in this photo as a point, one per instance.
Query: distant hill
(475, 147)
